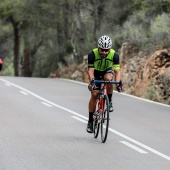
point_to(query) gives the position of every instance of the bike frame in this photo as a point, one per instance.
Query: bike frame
(102, 92)
(99, 115)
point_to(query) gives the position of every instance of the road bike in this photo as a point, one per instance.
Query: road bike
(101, 115)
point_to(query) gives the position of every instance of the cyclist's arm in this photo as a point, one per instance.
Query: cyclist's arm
(117, 75)
(91, 59)
(91, 73)
(116, 67)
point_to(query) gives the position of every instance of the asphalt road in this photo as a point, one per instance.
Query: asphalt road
(43, 127)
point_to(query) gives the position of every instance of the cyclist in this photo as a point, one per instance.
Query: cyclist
(1, 63)
(103, 63)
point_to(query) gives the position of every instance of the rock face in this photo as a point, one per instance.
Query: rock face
(81, 73)
(144, 76)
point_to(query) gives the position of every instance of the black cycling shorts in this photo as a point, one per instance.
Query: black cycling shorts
(99, 75)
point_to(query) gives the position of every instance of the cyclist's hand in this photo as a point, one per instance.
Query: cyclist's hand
(91, 85)
(119, 87)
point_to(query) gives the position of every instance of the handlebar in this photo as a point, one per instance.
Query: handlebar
(106, 82)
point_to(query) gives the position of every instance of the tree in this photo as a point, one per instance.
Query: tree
(12, 12)
(152, 7)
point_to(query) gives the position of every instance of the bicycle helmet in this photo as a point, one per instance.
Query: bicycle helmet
(104, 42)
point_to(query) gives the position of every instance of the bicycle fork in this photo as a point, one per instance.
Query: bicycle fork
(98, 115)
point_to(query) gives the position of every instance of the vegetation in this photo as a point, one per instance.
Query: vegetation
(41, 36)
(150, 92)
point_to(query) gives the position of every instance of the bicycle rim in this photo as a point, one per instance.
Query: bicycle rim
(96, 126)
(105, 119)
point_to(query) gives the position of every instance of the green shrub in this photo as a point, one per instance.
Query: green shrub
(135, 31)
(150, 92)
(8, 69)
(160, 28)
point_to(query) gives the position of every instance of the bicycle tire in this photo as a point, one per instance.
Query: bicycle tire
(96, 125)
(105, 119)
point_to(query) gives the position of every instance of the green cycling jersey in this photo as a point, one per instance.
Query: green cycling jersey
(101, 64)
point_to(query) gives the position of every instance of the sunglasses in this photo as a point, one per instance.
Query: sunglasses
(104, 50)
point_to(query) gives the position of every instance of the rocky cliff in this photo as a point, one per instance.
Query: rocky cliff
(144, 76)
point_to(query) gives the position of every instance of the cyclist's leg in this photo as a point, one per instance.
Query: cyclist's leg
(109, 76)
(94, 94)
(92, 103)
(92, 107)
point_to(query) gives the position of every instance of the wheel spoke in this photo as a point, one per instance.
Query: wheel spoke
(96, 124)
(105, 120)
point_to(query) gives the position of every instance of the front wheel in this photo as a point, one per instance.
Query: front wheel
(105, 119)
(96, 124)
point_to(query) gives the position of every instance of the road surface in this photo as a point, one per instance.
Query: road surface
(43, 127)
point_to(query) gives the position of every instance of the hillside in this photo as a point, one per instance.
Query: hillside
(146, 76)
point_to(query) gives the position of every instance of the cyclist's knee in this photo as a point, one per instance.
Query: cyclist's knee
(94, 94)
(108, 76)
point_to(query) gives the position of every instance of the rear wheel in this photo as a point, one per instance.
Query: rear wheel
(105, 119)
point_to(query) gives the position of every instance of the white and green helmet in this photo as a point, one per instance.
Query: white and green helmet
(104, 42)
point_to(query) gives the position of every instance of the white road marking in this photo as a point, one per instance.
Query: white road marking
(46, 104)
(81, 120)
(77, 114)
(133, 147)
(140, 144)
(23, 92)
